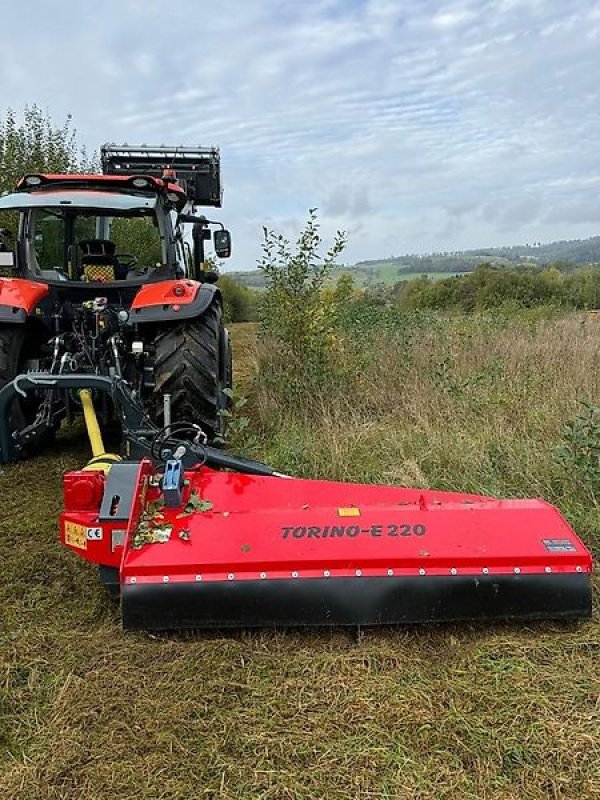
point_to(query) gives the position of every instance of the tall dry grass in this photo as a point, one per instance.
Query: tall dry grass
(484, 712)
(476, 403)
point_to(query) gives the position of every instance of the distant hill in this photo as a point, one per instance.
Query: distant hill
(568, 254)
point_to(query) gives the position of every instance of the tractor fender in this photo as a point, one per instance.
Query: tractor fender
(172, 300)
(19, 297)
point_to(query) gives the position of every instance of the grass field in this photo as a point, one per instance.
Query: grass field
(462, 711)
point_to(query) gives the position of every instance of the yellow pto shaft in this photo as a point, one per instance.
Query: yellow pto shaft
(101, 460)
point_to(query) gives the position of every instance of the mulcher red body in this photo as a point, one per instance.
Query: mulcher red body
(247, 550)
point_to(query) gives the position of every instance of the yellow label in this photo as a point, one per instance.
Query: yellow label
(75, 535)
(349, 512)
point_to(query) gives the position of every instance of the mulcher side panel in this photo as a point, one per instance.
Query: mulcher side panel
(277, 552)
(354, 601)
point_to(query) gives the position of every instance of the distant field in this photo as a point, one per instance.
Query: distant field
(435, 276)
(382, 274)
(578, 252)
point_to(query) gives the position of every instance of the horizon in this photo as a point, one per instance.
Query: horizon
(444, 253)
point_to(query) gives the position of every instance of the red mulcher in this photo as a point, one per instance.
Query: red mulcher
(193, 537)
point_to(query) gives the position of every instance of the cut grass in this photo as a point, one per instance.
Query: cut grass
(463, 711)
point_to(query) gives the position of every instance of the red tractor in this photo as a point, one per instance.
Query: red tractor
(107, 277)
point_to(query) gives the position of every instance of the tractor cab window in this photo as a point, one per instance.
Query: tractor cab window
(81, 244)
(138, 237)
(49, 239)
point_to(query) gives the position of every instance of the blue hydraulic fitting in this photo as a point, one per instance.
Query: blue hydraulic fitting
(172, 483)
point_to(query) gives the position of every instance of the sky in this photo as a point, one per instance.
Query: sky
(415, 125)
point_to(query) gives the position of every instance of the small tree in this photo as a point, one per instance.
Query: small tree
(295, 311)
(36, 144)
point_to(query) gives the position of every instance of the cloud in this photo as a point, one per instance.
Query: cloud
(419, 125)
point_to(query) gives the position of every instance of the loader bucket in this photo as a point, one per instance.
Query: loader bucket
(248, 551)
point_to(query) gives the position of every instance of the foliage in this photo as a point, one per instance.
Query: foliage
(490, 287)
(236, 421)
(298, 314)
(138, 237)
(240, 302)
(36, 144)
(579, 450)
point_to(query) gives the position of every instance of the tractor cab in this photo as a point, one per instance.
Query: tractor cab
(102, 234)
(133, 223)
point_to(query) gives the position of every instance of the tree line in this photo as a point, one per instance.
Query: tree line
(489, 287)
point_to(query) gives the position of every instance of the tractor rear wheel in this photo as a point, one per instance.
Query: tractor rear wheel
(12, 363)
(192, 363)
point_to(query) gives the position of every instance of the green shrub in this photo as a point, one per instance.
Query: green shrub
(299, 316)
(240, 302)
(579, 450)
(493, 288)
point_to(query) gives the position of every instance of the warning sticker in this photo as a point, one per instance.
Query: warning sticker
(75, 535)
(559, 545)
(350, 511)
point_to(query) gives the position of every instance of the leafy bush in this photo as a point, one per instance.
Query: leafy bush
(240, 302)
(298, 314)
(579, 450)
(139, 237)
(36, 144)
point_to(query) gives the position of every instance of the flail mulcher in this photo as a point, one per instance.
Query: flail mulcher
(190, 536)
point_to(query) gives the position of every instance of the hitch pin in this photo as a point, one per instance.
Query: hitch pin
(167, 413)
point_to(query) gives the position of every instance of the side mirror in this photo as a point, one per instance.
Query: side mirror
(222, 241)
(7, 260)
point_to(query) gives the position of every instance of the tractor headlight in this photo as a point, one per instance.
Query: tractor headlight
(33, 180)
(141, 183)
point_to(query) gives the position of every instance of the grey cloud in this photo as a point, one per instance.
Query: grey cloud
(470, 121)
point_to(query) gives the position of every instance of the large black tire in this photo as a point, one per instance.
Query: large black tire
(193, 364)
(12, 363)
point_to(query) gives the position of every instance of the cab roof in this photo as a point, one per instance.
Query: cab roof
(69, 197)
(110, 185)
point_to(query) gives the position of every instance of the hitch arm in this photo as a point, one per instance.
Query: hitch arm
(131, 413)
(138, 429)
